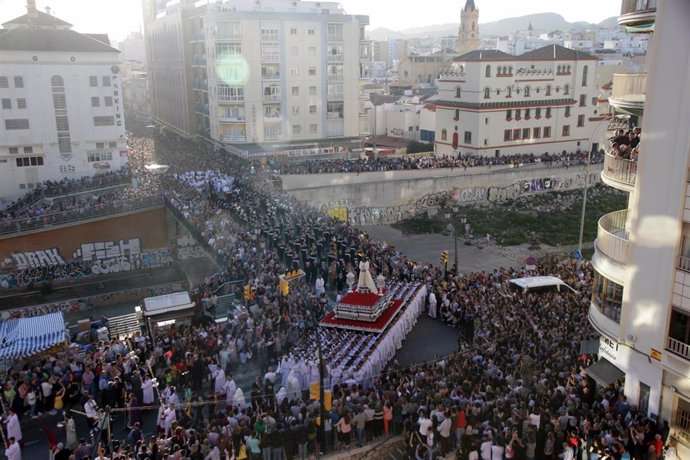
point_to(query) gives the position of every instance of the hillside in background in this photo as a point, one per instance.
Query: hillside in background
(543, 22)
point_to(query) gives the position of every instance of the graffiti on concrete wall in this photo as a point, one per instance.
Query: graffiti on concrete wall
(365, 215)
(23, 269)
(34, 259)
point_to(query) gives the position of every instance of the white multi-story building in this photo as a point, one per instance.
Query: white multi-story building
(641, 295)
(494, 103)
(257, 72)
(61, 109)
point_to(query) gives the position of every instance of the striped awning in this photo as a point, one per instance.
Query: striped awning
(24, 337)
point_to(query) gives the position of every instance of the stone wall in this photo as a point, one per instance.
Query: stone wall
(389, 196)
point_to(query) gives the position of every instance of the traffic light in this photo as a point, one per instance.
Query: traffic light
(247, 292)
(444, 257)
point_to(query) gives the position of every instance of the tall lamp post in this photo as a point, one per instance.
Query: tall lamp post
(584, 194)
(453, 226)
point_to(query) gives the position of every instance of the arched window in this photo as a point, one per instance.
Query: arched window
(487, 73)
(509, 92)
(558, 69)
(455, 140)
(566, 89)
(56, 80)
(510, 70)
(548, 90)
(462, 69)
(487, 93)
(444, 134)
(584, 76)
(526, 91)
(568, 69)
(458, 92)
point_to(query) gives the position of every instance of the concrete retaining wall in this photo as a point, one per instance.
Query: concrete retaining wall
(388, 196)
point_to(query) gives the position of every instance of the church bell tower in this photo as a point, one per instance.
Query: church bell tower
(468, 35)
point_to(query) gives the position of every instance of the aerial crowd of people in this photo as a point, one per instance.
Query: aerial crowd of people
(428, 162)
(515, 389)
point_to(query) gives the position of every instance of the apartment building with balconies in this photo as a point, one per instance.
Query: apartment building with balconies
(641, 295)
(274, 72)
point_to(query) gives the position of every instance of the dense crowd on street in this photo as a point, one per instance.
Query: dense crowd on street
(442, 161)
(515, 389)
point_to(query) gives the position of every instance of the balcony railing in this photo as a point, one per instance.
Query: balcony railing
(677, 347)
(638, 14)
(684, 263)
(66, 217)
(335, 57)
(271, 97)
(620, 170)
(612, 236)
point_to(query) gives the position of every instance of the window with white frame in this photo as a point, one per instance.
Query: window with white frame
(104, 120)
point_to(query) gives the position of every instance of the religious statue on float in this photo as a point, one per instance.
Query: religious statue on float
(366, 282)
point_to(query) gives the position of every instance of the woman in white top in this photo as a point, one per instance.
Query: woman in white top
(497, 449)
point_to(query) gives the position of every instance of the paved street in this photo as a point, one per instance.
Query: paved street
(477, 256)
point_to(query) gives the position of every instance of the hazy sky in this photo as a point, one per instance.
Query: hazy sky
(119, 17)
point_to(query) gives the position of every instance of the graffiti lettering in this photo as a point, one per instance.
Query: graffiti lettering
(107, 249)
(334, 204)
(33, 259)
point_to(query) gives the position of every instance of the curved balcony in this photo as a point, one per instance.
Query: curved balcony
(619, 172)
(638, 15)
(629, 93)
(612, 236)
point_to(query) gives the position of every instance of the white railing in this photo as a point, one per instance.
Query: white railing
(612, 236)
(678, 347)
(684, 263)
(620, 169)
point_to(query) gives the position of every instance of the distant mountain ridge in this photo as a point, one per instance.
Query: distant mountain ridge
(542, 22)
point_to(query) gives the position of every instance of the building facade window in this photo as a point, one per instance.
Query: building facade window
(99, 156)
(29, 161)
(93, 81)
(487, 71)
(106, 81)
(95, 101)
(566, 89)
(548, 112)
(536, 132)
(507, 134)
(526, 92)
(567, 111)
(4, 82)
(18, 82)
(566, 131)
(547, 92)
(580, 121)
(537, 113)
(104, 120)
(6, 103)
(547, 131)
(509, 114)
(607, 296)
(468, 137)
(525, 133)
(487, 93)
(444, 134)
(16, 124)
(458, 92)
(585, 70)
(518, 114)
(583, 100)
(509, 92)
(313, 128)
(516, 134)
(528, 114)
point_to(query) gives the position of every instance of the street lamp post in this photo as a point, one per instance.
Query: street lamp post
(453, 226)
(584, 194)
